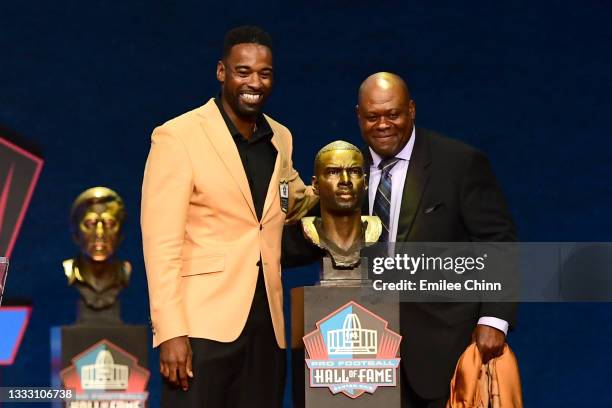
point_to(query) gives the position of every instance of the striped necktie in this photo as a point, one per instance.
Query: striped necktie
(382, 201)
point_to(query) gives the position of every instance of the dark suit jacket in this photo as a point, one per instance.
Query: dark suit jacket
(464, 203)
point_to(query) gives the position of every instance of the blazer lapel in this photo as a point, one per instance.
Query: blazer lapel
(416, 181)
(274, 180)
(221, 139)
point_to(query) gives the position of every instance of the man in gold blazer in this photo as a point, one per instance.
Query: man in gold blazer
(218, 187)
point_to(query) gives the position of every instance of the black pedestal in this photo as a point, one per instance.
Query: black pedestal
(101, 363)
(77, 338)
(352, 321)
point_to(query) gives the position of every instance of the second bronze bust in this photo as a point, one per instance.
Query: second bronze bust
(340, 183)
(97, 217)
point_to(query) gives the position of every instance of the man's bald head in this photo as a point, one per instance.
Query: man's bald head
(384, 81)
(386, 113)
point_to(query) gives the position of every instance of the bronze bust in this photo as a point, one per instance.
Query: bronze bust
(97, 217)
(340, 182)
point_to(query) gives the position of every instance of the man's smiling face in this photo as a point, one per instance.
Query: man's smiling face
(386, 114)
(246, 78)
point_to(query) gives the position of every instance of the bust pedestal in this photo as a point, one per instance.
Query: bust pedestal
(351, 320)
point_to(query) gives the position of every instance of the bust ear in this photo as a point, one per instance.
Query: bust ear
(315, 185)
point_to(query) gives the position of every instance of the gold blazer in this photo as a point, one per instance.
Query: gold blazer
(201, 237)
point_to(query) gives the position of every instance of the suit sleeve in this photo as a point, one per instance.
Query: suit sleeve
(483, 205)
(487, 219)
(166, 191)
(296, 250)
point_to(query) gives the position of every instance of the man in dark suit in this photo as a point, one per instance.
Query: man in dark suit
(429, 188)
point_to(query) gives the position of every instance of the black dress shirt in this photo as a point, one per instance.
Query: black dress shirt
(258, 156)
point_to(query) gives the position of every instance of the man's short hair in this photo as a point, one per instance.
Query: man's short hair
(245, 35)
(335, 145)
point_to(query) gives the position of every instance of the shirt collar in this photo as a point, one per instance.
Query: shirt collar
(404, 154)
(263, 127)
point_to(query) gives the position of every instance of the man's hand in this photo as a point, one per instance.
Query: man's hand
(175, 361)
(490, 342)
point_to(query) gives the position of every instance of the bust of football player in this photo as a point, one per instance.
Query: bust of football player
(339, 181)
(97, 217)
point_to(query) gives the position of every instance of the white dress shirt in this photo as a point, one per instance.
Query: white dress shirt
(398, 177)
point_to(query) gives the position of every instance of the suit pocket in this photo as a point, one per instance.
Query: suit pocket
(430, 209)
(203, 264)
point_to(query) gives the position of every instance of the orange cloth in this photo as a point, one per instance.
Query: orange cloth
(493, 385)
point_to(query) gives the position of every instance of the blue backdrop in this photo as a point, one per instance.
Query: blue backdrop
(527, 82)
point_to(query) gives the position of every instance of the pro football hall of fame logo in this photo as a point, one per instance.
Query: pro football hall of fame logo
(105, 375)
(352, 352)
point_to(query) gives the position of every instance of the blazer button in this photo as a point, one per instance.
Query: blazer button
(259, 263)
(260, 227)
